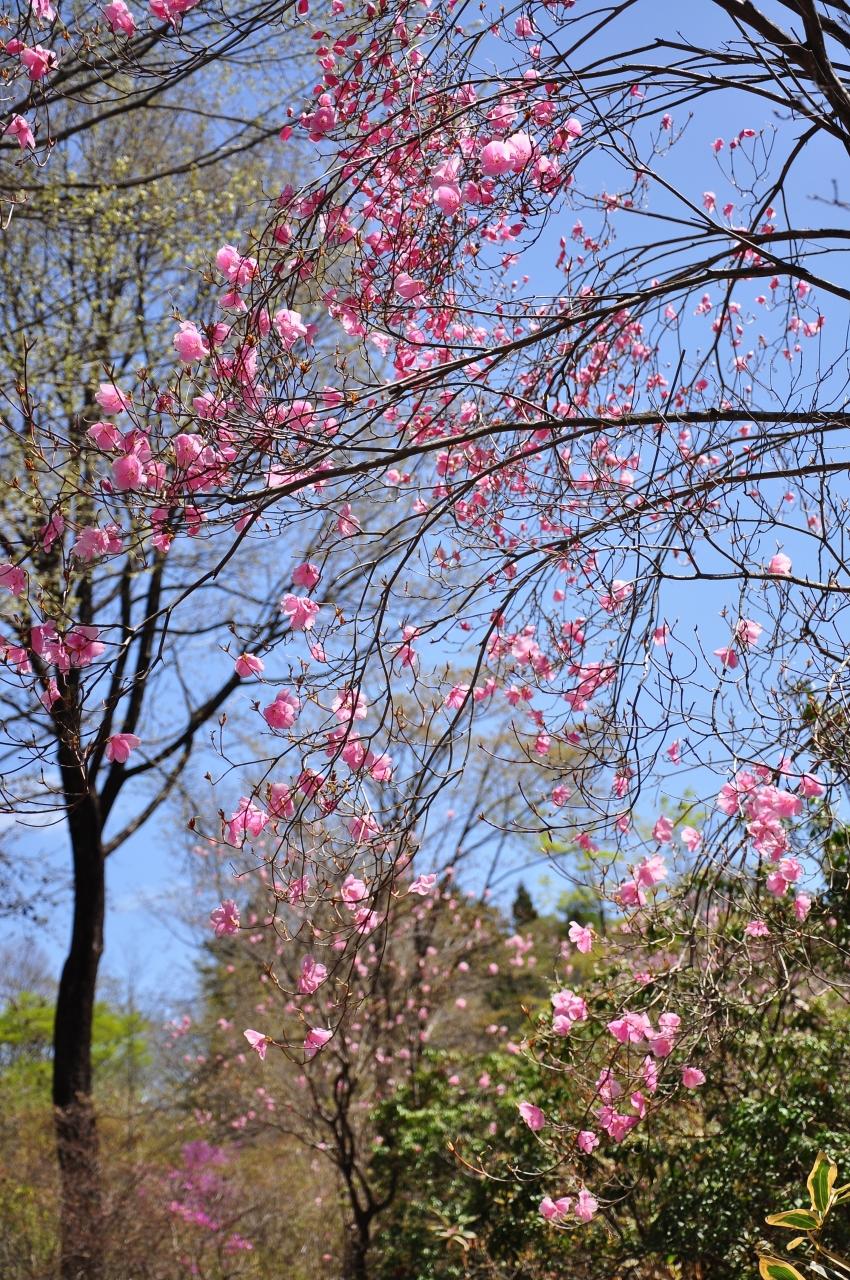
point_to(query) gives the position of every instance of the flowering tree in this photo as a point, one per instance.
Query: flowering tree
(112, 181)
(593, 400)
(422, 975)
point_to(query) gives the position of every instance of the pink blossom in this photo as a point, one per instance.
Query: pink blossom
(586, 1205)
(423, 885)
(19, 129)
(650, 871)
(447, 197)
(587, 1141)
(661, 1045)
(747, 632)
(234, 267)
(315, 1039)
(777, 884)
(691, 839)
(82, 646)
(630, 894)
(300, 610)
(119, 18)
(811, 787)
(119, 746)
(496, 158)
(128, 472)
(111, 398)
(555, 1210)
(105, 435)
(190, 343)
(363, 827)
(728, 657)
(631, 1028)
(380, 767)
(347, 525)
(91, 542)
(312, 975)
(305, 575)
(532, 1115)
(323, 119)
(38, 61)
(790, 869)
(283, 712)
(780, 565)
(582, 936)
(246, 822)
(756, 929)
(225, 918)
(281, 802)
(13, 578)
(353, 891)
(289, 327)
(663, 830)
(408, 288)
(802, 906)
(692, 1077)
(248, 664)
(257, 1041)
(298, 889)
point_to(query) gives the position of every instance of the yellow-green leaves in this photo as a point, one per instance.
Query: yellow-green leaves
(794, 1220)
(778, 1269)
(820, 1182)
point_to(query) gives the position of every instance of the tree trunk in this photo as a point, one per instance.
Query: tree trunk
(356, 1250)
(74, 1117)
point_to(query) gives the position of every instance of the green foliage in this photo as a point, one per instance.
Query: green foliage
(460, 1166)
(523, 910)
(120, 1043)
(760, 1136)
(824, 1196)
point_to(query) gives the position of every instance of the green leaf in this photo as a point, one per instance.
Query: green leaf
(794, 1219)
(777, 1269)
(820, 1182)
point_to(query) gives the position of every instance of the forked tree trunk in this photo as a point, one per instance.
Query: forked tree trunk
(74, 1117)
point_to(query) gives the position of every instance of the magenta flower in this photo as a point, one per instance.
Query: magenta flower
(315, 1039)
(111, 399)
(780, 565)
(555, 1210)
(225, 918)
(38, 61)
(18, 129)
(257, 1041)
(532, 1115)
(119, 18)
(312, 975)
(120, 745)
(586, 1205)
(300, 610)
(13, 578)
(582, 936)
(305, 575)
(283, 712)
(248, 664)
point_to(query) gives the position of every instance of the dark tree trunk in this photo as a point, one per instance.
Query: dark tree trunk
(356, 1250)
(74, 1117)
